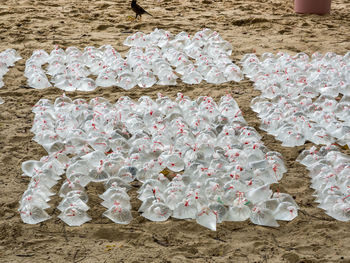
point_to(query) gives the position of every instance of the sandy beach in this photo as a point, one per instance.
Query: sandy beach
(250, 26)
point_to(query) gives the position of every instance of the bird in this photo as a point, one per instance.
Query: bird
(138, 9)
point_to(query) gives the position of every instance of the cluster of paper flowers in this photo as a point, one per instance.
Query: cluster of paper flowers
(155, 58)
(302, 98)
(330, 177)
(8, 58)
(196, 159)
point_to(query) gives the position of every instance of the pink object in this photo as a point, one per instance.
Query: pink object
(319, 7)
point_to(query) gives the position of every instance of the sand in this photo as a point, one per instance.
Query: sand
(251, 26)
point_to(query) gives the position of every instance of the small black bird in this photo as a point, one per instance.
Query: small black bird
(138, 9)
